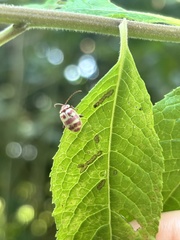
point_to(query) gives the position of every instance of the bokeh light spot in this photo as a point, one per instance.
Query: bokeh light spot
(26, 127)
(25, 191)
(3, 219)
(55, 56)
(87, 45)
(29, 152)
(158, 5)
(2, 205)
(38, 227)
(43, 102)
(47, 217)
(87, 66)
(13, 149)
(25, 214)
(71, 73)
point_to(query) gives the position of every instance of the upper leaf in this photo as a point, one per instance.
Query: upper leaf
(104, 8)
(167, 125)
(107, 9)
(110, 172)
(96, 7)
(48, 4)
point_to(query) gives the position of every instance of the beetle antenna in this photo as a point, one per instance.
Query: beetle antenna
(58, 104)
(71, 96)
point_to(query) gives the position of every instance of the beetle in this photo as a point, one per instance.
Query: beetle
(68, 115)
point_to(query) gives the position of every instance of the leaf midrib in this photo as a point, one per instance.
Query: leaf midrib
(119, 64)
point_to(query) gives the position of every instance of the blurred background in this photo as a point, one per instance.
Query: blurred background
(40, 68)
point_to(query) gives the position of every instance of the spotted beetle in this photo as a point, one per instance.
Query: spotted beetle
(70, 118)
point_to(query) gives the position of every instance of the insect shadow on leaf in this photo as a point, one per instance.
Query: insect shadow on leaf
(96, 139)
(101, 184)
(83, 166)
(101, 100)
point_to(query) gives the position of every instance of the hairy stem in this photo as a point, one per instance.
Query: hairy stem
(11, 32)
(39, 19)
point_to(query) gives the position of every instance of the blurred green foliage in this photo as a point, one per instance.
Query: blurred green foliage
(32, 79)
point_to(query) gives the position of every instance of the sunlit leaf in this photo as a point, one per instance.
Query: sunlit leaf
(107, 9)
(110, 172)
(96, 7)
(167, 125)
(103, 8)
(48, 4)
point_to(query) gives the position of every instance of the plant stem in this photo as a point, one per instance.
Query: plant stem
(11, 32)
(40, 19)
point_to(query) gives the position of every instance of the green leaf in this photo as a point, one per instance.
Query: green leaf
(48, 4)
(95, 7)
(110, 172)
(107, 9)
(167, 125)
